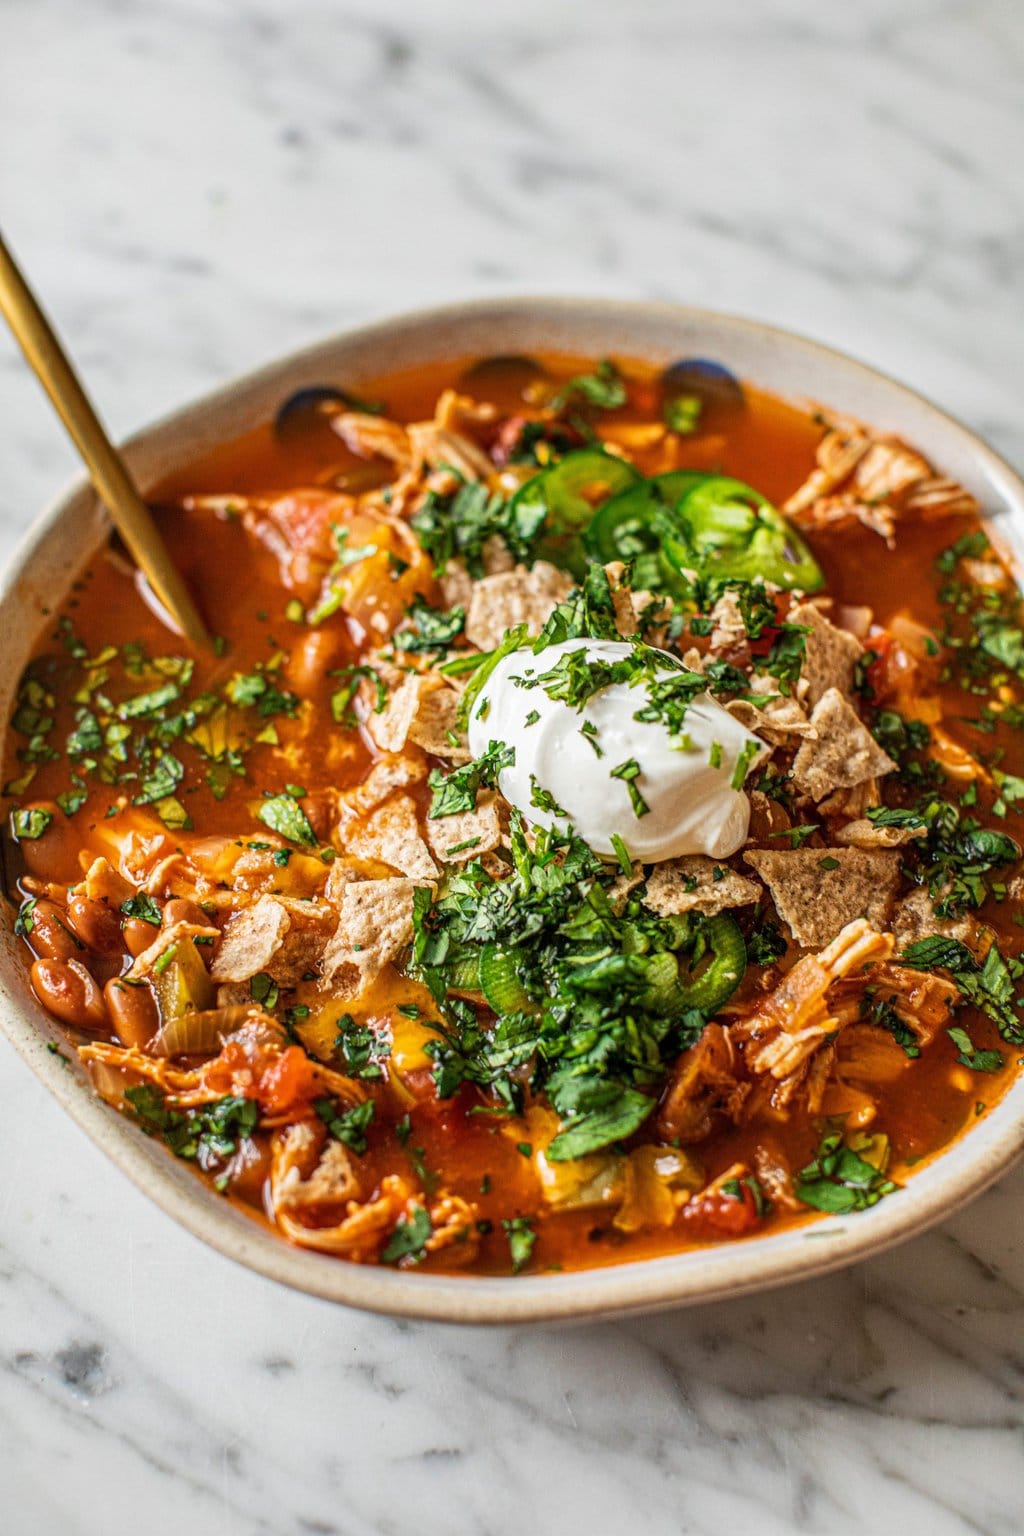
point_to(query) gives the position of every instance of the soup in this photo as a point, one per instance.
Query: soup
(592, 836)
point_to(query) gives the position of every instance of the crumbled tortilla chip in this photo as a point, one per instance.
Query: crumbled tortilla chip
(817, 893)
(776, 721)
(435, 726)
(456, 585)
(391, 834)
(636, 612)
(390, 728)
(345, 869)
(251, 940)
(467, 834)
(374, 926)
(729, 629)
(311, 925)
(623, 885)
(394, 771)
(915, 918)
(865, 834)
(514, 597)
(844, 752)
(829, 656)
(694, 883)
(854, 802)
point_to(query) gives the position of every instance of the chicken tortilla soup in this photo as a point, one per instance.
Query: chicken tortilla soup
(592, 836)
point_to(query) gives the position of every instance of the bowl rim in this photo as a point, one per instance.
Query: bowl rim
(947, 1180)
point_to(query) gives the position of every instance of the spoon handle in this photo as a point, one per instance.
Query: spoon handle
(116, 488)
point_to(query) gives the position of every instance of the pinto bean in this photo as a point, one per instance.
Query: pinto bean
(312, 659)
(97, 924)
(51, 937)
(133, 1013)
(179, 910)
(138, 935)
(67, 990)
(54, 855)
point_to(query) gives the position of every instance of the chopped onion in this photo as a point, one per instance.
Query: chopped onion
(199, 1033)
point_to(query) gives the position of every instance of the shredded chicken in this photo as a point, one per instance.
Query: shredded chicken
(703, 1081)
(875, 479)
(790, 1025)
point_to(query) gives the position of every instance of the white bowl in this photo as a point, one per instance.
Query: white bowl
(63, 539)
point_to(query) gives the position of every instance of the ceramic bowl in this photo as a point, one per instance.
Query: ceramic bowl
(65, 537)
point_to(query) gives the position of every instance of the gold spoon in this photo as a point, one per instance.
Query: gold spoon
(110, 476)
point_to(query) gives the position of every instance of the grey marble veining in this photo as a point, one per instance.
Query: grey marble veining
(197, 185)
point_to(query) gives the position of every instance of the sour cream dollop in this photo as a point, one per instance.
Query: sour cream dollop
(687, 784)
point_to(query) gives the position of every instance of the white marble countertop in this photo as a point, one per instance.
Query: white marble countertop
(197, 185)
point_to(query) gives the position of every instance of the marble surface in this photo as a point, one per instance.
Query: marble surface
(197, 185)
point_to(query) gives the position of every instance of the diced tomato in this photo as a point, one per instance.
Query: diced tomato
(768, 636)
(881, 683)
(287, 1082)
(729, 1210)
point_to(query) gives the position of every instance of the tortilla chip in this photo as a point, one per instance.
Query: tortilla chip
(467, 834)
(251, 940)
(852, 804)
(394, 771)
(775, 722)
(915, 918)
(436, 723)
(456, 585)
(829, 657)
(636, 612)
(843, 754)
(729, 629)
(280, 935)
(865, 834)
(622, 886)
(374, 926)
(817, 900)
(390, 727)
(391, 834)
(514, 597)
(311, 925)
(694, 883)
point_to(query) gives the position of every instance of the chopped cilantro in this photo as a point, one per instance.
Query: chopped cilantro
(604, 388)
(347, 1125)
(968, 1054)
(629, 772)
(457, 791)
(207, 1135)
(988, 984)
(434, 630)
(457, 526)
(359, 1050)
(521, 1240)
(839, 1180)
(409, 1238)
(263, 989)
(142, 908)
(283, 815)
(29, 823)
(342, 698)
